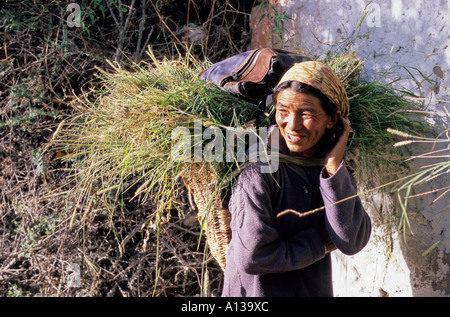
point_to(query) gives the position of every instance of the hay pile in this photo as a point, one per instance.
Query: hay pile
(120, 139)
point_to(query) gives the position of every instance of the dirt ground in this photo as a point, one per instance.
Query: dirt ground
(44, 65)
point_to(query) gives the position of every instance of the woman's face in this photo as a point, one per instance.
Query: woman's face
(302, 121)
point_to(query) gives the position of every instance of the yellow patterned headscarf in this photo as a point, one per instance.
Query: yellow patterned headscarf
(323, 78)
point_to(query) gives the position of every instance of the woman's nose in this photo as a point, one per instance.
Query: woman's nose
(295, 122)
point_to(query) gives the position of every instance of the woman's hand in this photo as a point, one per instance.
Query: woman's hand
(334, 158)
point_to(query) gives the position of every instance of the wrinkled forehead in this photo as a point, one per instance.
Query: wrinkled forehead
(294, 100)
(323, 78)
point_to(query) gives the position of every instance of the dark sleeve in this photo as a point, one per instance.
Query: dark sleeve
(346, 221)
(257, 246)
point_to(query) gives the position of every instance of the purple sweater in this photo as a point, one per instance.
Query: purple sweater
(272, 256)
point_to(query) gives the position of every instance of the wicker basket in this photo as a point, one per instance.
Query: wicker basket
(201, 180)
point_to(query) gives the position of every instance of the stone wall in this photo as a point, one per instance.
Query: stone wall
(396, 36)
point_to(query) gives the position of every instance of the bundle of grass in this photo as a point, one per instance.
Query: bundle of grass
(375, 108)
(121, 138)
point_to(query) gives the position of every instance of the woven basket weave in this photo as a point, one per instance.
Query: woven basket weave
(202, 182)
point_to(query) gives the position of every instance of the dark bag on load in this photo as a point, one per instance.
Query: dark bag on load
(252, 75)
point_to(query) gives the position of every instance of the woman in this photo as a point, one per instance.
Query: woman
(277, 253)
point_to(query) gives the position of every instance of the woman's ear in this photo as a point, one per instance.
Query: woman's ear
(334, 119)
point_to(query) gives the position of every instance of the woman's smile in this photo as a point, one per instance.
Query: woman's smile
(294, 138)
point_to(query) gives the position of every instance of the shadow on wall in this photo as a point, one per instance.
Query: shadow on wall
(406, 40)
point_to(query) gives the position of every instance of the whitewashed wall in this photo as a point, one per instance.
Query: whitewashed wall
(395, 33)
